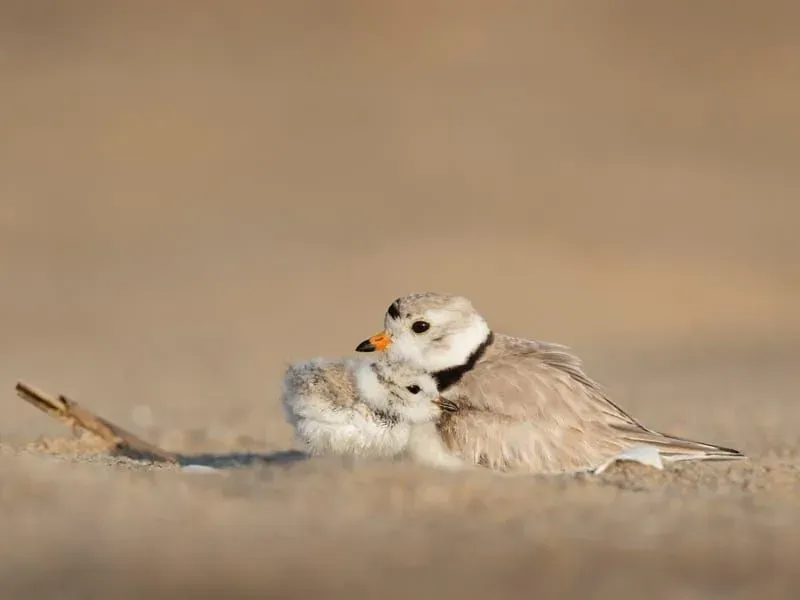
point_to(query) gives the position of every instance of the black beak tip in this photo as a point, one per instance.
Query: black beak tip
(365, 346)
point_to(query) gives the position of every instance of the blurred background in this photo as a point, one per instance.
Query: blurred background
(193, 194)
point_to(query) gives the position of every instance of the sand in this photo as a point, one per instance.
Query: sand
(192, 195)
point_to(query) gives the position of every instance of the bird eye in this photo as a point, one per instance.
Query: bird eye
(414, 389)
(420, 326)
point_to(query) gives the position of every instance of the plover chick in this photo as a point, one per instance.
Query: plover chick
(513, 404)
(366, 408)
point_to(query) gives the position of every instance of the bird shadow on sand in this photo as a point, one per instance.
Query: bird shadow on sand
(217, 461)
(234, 460)
(214, 460)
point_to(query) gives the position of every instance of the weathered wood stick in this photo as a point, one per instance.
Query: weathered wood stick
(70, 412)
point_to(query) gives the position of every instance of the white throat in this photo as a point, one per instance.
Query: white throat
(430, 357)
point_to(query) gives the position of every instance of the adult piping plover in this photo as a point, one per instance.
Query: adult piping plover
(366, 408)
(512, 404)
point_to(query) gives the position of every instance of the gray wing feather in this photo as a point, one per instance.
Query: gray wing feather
(536, 407)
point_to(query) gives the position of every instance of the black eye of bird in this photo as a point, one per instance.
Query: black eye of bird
(414, 389)
(420, 326)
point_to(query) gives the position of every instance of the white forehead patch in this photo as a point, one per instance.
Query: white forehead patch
(444, 315)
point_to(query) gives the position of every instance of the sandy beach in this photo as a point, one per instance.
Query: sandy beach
(195, 194)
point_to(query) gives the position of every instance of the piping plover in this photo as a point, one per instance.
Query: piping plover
(512, 404)
(366, 408)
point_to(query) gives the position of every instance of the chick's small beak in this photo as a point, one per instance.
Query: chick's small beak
(379, 341)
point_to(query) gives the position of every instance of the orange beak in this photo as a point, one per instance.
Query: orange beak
(379, 341)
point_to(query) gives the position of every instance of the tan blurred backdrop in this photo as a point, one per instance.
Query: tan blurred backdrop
(193, 194)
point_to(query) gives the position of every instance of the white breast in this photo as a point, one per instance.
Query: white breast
(351, 431)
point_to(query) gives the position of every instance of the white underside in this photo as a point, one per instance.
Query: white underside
(425, 447)
(344, 431)
(354, 433)
(645, 455)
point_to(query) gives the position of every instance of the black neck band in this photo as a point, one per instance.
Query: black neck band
(449, 377)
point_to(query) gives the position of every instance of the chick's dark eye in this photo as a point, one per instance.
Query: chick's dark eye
(414, 389)
(420, 326)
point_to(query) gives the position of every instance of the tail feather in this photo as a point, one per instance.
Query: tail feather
(674, 449)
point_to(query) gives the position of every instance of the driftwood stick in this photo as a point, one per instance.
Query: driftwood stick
(47, 404)
(70, 412)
